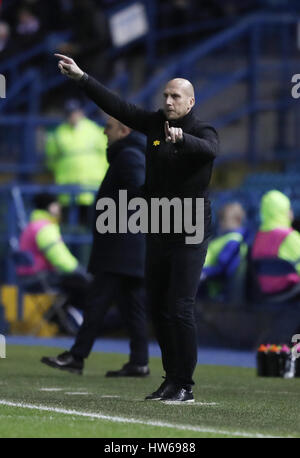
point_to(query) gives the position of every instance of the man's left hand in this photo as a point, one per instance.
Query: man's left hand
(173, 134)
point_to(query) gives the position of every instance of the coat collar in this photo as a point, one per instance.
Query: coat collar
(184, 121)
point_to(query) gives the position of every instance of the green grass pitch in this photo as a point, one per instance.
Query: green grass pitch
(38, 401)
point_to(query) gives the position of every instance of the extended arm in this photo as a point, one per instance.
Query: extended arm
(290, 249)
(55, 251)
(128, 113)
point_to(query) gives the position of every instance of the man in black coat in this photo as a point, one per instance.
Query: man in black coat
(117, 262)
(179, 158)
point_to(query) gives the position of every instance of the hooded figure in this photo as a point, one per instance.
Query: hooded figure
(277, 239)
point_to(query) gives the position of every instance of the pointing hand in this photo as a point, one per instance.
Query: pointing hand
(173, 134)
(68, 67)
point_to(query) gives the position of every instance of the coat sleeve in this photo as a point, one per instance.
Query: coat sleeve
(129, 114)
(206, 145)
(290, 249)
(131, 167)
(50, 243)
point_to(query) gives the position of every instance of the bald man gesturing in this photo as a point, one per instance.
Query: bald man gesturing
(179, 159)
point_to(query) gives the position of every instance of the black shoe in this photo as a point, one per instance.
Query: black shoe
(65, 361)
(166, 389)
(130, 370)
(180, 395)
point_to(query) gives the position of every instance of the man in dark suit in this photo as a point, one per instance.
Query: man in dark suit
(180, 153)
(116, 262)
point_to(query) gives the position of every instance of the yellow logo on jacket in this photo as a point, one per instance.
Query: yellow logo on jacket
(156, 143)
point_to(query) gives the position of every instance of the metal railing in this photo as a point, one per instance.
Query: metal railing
(248, 35)
(250, 31)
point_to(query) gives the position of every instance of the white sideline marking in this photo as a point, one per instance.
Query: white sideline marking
(277, 392)
(109, 396)
(205, 403)
(50, 389)
(132, 420)
(76, 392)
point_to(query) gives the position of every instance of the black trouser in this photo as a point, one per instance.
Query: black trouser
(129, 294)
(172, 279)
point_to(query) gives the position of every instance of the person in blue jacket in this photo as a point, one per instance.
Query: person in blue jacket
(227, 251)
(117, 262)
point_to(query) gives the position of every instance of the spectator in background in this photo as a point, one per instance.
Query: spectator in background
(226, 252)
(6, 46)
(50, 257)
(50, 14)
(76, 155)
(277, 239)
(90, 36)
(28, 29)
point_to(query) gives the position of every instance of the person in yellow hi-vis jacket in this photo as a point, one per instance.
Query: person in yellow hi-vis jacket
(42, 241)
(76, 154)
(227, 253)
